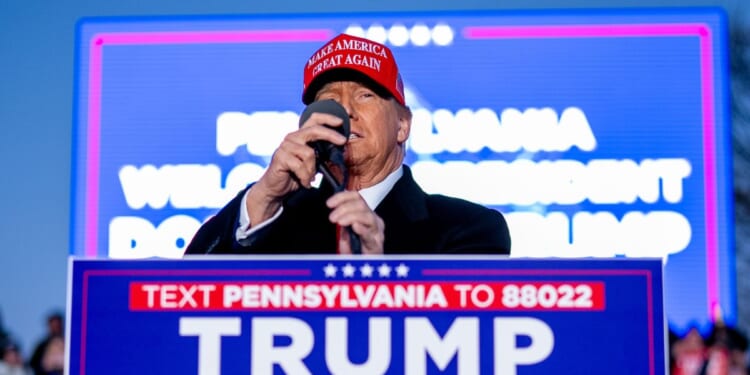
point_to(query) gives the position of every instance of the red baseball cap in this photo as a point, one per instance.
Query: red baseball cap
(348, 57)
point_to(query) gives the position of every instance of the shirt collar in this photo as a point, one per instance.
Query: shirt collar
(373, 195)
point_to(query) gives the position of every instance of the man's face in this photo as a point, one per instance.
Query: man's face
(379, 128)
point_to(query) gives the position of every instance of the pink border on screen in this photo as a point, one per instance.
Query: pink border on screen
(97, 43)
(700, 30)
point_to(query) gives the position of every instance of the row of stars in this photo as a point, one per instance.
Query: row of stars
(366, 270)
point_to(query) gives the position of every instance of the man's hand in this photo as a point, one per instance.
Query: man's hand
(348, 208)
(292, 166)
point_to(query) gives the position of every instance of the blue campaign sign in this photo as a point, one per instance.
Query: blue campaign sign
(339, 315)
(597, 134)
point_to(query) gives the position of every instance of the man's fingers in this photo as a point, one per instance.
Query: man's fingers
(344, 247)
(371, 242)
(319, 118)
(317, 128)
(299, 161)
(354, 216)
(294, 156)
(347, 207)
(339, 198)
(376, 225)
(293, 163)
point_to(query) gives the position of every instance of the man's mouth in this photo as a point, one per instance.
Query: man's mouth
(353, 136)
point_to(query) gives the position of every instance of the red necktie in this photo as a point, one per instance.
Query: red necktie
(338, 238)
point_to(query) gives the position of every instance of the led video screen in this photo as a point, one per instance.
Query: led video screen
(597, 134)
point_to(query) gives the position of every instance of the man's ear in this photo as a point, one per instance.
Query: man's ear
(404, 123)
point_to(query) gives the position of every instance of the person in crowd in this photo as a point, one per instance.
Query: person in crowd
(11, 361)
(381, 204)
(727, 350)
(689, 353)
(4, 335)
(53, 359)
(54, 336)
(723, 352)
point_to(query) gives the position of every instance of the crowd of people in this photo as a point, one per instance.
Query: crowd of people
(48, 357)
(723, 351)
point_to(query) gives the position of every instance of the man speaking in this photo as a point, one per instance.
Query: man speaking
(369, 202)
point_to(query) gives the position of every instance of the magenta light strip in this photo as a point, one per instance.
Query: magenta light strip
(709, 172)
(700, 30)
(84, 323)
(92, 152)
(584, 31)
(213, 37)
(650, 307)
(253, 272)
(520, 272)
(98, 41)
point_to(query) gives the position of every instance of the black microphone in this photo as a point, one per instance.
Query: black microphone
(326, 151)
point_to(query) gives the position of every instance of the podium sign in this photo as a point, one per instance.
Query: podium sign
(385, 315)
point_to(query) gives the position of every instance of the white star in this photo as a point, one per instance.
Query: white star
(366, 270)
(384, 270)
(348, 270)
(330, 270)
(402, 270)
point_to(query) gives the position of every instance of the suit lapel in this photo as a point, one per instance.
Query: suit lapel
(405, 202)
(404, 209)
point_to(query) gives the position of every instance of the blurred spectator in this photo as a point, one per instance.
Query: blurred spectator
(689, 354)
(53, 360)
(49, 355)
(11, 362)
(4, 335)
(728, 346)
(723, 352)
(672, 339)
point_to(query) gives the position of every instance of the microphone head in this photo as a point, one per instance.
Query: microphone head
(326, 151)
(330, 107)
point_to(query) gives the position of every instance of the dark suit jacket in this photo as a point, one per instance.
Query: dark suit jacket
(415, 223)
